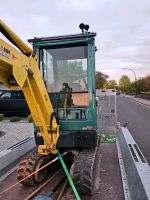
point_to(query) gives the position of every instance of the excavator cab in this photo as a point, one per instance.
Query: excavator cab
(67, 65)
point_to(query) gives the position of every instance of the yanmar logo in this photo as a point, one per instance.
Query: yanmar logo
(4, 52)
(14, 57)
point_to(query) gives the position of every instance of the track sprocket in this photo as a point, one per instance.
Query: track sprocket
(29, 165)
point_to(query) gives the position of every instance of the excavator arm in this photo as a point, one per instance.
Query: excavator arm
(20, 70)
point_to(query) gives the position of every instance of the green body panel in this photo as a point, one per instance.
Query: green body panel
(89, 40)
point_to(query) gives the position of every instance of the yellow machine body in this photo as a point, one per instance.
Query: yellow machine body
(23, 68)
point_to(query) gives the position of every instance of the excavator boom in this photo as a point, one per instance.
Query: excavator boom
(14, 39)
(20, 70)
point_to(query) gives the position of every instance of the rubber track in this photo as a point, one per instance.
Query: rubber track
(26, 167)
(83, 170)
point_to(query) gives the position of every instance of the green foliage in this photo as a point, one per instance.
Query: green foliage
(15, 119)
(124, 83)
(30, 118)
(140, 85)
(101, 79)
(1, 117)
(147, 80)
(111, 84)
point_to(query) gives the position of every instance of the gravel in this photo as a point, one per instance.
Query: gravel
(14, 132)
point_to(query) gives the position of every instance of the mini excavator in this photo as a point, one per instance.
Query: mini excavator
(57, 78)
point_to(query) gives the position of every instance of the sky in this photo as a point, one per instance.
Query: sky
(122, 27)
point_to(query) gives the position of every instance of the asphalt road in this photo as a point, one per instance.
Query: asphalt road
(138, 117)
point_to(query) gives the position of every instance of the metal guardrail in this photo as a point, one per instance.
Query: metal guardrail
(134, 167)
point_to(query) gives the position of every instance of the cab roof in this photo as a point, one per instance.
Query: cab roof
(62, 37)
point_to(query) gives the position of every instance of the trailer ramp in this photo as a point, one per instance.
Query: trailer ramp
(106, 111)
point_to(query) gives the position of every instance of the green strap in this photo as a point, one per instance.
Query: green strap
(109, 140)
(69, 177)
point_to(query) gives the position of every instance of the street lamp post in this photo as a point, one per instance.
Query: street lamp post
(132, 71)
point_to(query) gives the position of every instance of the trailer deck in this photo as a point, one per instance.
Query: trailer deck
(122, 171)
(108, 181)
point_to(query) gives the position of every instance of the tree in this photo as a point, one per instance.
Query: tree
(124, 83)
(142, 84)
(147, 79)
(111, 84)
(101, 79)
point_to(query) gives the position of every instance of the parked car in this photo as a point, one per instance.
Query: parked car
(13, 103)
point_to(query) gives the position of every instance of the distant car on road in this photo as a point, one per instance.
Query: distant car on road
(13, 103)
(117, 92)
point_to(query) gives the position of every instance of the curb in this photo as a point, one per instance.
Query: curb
(133, 98)
(141, 103)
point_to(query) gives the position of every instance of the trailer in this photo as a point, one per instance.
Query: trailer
(122, 171)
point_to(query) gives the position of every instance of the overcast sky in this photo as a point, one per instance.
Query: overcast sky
(122, 26)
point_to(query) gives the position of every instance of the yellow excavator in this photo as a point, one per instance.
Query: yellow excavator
(20, 70)
(57, 78)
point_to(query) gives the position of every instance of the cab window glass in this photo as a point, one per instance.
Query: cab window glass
(65, 75)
